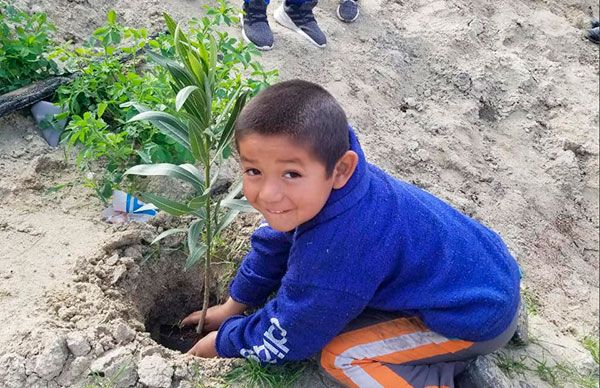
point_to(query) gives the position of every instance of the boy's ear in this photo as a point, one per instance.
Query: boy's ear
(344, 168)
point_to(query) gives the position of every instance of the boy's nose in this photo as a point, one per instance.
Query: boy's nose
(270, 192)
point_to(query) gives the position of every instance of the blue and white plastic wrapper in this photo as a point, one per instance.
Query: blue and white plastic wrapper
(125, 207)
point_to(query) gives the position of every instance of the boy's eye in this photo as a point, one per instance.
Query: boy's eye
(291, 174)
(252, 172)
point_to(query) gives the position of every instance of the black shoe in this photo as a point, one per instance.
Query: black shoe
(255, 27)
(300, 18)
(595, 23)
(593, 34)
(347, 10)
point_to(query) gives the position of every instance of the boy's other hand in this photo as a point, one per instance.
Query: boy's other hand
(215, 315)
(206, 347)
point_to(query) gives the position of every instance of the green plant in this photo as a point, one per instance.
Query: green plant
(108, 142)
(24, 47)
(511, 365)
(531, 301)
(253, 374)
(547, 373)
(591, 344)
(99, 380)
(96, 101)
(203, 123)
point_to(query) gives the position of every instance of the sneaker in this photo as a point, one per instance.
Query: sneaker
(300, 18)
(347, 10)
(593, 34)
(255, 27)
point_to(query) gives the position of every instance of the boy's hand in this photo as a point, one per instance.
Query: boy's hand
(215, 315)
(206, 347)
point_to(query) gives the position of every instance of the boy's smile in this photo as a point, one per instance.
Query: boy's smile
(283, 180)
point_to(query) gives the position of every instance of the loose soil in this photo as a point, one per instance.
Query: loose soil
(491, 105)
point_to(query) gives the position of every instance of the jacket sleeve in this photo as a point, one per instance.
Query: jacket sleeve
(263, 267)
(293, 326)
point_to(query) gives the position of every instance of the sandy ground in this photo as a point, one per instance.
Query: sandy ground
(491, 105)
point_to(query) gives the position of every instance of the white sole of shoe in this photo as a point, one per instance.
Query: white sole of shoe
(261, 48)
(282, 18)
(337, 11)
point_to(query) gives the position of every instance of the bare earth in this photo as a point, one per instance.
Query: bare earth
(491, 105)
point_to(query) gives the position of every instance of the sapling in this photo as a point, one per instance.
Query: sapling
(207, 133)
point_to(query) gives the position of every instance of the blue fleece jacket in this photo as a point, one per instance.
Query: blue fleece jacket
(378, 243)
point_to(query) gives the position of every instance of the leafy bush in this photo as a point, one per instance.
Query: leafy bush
(100, 100)
(24, 46)
(94, 101)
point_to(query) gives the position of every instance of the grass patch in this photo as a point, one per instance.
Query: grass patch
(569, 373)
(591, 344)
(253, 374)
(556, 374)
(548, 373)
(511, 365)
(532, 302)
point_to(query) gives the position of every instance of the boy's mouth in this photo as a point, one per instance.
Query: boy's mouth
(277, 211)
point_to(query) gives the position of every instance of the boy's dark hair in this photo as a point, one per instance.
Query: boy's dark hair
(302, 110)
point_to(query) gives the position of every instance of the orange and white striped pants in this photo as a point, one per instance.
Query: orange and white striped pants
(400, 352)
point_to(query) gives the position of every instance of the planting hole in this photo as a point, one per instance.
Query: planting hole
(180, 298)
(164, 293)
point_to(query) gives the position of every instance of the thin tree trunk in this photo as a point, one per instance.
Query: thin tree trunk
(208, 224)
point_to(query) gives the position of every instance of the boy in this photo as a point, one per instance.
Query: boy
(393, 286)
(296, 15)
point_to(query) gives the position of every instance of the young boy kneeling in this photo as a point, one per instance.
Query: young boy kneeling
(391, 285)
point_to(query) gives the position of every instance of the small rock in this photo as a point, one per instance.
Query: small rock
(134, 252)
(65, 313)
(74, 372)
(118, 273)
(413, 145)
(113, 260)
(484, 373)
(123, 334)
(77, 344)
(151, 351)
(462, 81)
(155, 372)
(50, 362)
(410, 102)
(116, 364)
(183, 372)
(128, 261)
(477, 27)
(100, 273)
(123, 239)
(184, 384)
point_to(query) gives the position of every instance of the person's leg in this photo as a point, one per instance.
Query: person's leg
(255, 27)
(298, 16)
(399, 352)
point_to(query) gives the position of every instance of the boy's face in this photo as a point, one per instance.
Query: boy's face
(283, 180)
